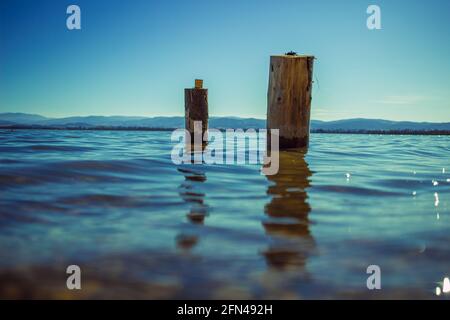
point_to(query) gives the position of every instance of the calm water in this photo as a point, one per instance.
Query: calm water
(141, 227)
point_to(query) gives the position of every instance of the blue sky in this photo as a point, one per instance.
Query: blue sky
(136, 57)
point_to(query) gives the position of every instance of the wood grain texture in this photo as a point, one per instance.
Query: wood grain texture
(196, 109)
(289, 99)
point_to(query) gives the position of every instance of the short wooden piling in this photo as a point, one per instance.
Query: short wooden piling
(289, 99)
(196, 109)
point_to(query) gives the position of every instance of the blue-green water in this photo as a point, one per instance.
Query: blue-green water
(139, 226)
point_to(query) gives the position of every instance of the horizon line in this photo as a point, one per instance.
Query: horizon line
(214, 116)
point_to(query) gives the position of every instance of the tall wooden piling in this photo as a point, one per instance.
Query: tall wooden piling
(289, 99)
(196, 109)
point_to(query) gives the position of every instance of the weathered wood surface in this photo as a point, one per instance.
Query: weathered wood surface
(289, 99)
(196, 109)
(198, 84)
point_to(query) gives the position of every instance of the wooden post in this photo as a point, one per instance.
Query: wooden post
(289, 99)
(196, 109)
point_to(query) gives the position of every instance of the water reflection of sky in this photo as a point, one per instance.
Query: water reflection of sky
(113, 203)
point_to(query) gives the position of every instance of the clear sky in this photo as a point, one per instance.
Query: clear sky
(136, 57)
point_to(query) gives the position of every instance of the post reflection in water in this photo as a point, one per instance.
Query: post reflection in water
(287, 223)
(198, 209)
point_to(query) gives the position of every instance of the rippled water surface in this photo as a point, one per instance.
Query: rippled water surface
(139, 226)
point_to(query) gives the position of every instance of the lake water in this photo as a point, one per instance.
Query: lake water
(139, 226)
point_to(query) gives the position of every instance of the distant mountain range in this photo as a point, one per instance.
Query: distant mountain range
(348, 125)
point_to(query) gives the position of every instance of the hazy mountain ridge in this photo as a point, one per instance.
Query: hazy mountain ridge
(357, 124)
